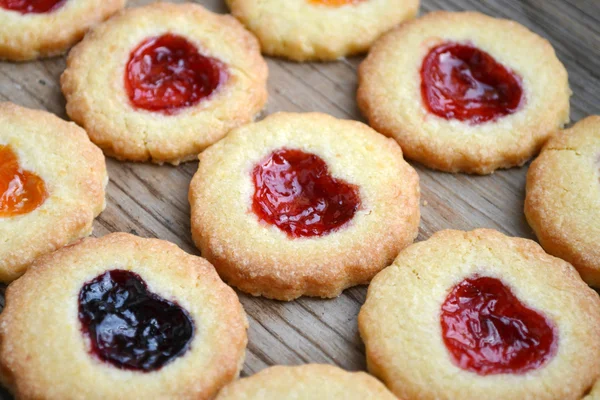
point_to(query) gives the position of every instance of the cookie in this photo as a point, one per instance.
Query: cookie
(31, 29)
(563, 197)
(52, 182)
(303, 204)
(464, 92)
(479, 315)
(162, 82)
(311, 381)
(122, 317)
(304, 30)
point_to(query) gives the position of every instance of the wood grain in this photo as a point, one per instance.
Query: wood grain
(151, 201)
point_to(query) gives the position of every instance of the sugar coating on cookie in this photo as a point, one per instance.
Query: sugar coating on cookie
(461, 95)
(52, 186)
(303, 204)
(31, 29)
(477, 314)
(162, 82)
(303, 30)
(562, 204)
(122, 317)
(311, 381)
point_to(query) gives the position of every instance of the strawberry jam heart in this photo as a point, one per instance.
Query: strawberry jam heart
(20, 191)
(487, 330)
(167, 73)
(130, 327)
(335, 3)
(295, 192)
(464, 83)
(32, 6)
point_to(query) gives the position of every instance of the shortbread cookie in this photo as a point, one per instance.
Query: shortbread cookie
(32, 29)
(303, 30)
(52, 181)
(464, 92)
(312, 381)
(303, 204)
(479, 315)
(563, 197)
(163, 82)
(120, 318)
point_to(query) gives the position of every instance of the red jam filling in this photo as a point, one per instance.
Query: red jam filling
(130, 327)
(295, 192)
(464, 83)
(335, 3)
(31, 6)
(20, 191)
(167, 73)
(487, 330)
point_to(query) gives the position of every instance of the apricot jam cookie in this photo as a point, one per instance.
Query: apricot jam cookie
(464, 92)
(563, 197)
(164, 81)
(122, 317)
(31, 29)
(479, 315)
(311, 381)
(303, 30)
(52, 181)
(303, 204)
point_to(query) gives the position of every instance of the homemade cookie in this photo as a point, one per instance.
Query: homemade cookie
(563, 197)
(32, 29)
(312, 381)
(52, 181)
(304, 30)
(120, 318)
(479, 315)
(164, 81)
(303, 204)
(464, 92)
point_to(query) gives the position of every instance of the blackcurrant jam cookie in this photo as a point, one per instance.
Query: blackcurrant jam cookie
(479, 315)
(464, 92)
(303, 204)
(303, 30)
(52, 181)
(31, 29)
(121, 317)
(311, 381)
(164, 81)
(563, 197)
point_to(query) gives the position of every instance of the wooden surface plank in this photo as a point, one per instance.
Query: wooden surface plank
(151, 201)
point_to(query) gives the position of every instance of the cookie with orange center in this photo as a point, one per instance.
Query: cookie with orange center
(303, 204)
(31, 29)
(479, 315)
(164, 81)
(464, 92)
(304, 30)
(52, 183)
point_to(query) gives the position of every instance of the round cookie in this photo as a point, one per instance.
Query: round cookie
(464, 92)
(303, 30)
(164, 81)
(311, 381)
(479, 315)
(52, 182)
(31, 29)
(563, 197)
(303, 204)
(122, 317)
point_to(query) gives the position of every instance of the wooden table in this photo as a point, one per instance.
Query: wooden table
(151, 201)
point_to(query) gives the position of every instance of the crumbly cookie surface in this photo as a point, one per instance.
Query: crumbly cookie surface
(389, 93)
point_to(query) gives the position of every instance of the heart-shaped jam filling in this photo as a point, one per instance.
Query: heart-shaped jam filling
(20, 191)
(462, 82)
(32, 6)
(129, 326)
(487, 330)
(167, 73)
(294, 191)
(335, 3)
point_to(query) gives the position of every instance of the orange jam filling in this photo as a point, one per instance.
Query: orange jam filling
(335, 3)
